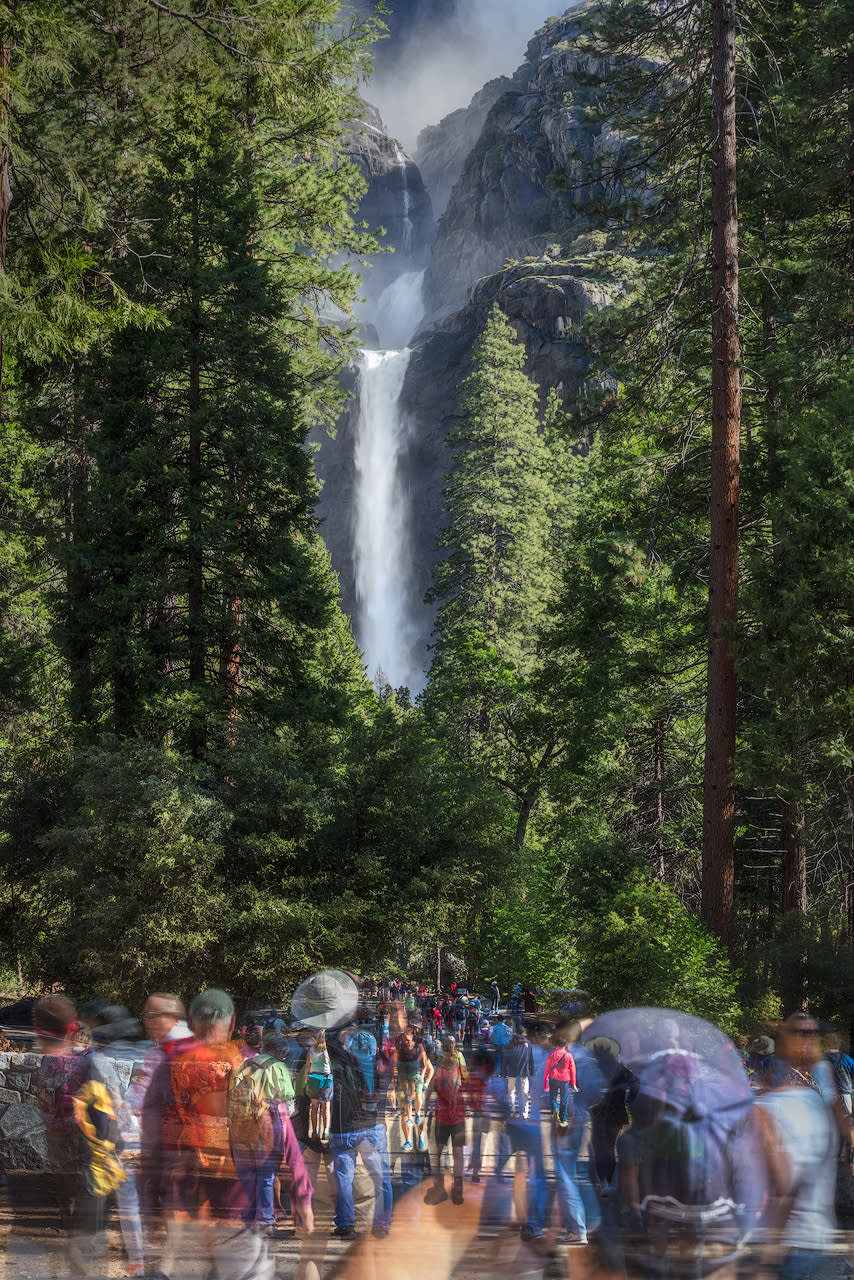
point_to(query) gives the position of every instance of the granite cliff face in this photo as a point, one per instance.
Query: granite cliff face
(531, 170)
(443, 148)
(396, 200)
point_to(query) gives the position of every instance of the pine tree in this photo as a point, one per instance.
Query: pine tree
(494, 586)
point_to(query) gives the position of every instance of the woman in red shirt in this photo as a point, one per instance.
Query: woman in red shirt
(559, 1079)
(449, 1122)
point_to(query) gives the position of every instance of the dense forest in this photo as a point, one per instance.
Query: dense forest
(616, 777)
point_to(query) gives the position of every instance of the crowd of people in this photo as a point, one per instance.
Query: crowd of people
(644, 1132)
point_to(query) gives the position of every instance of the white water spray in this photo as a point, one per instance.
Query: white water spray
(382, 542)
(400, 310)
(384, 628)
(406, 243)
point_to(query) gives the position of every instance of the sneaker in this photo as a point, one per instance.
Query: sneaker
(379, 1233)
(572, 1238)
(528, 1235)
(422, 1143)
(344, 1233)
(417, 1117)
(435, 1195)
(407, 1146)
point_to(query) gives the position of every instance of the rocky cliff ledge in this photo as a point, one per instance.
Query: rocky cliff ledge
(443, 148)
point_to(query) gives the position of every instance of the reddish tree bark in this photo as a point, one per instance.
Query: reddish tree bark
(5, 174)
(718, 779)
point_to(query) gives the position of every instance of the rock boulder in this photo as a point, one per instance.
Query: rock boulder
(23, 1140)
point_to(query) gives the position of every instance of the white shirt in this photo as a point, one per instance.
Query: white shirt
(807, 1133)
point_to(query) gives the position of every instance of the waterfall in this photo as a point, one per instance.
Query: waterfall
(406, 242)
(400, 310)
(385, 627)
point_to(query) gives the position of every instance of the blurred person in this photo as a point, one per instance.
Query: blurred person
(802, 1220)
(164, 1018)
(90, 1014)
(76, 1092)
(517, 1067)
(166, 1030)
(760, 1061)
(494, 996)
(609, 1114)
(559, 1078)
(526, 1136)
(501, 1036)
(450, 1122)
(121, 1037)
(412, 1073)
(475, 1088)
(799, 1060)
(842, 1065)
(472, 1025)
(458, 1018)
(691, 1166)
(262, 1137)
(515, 1007)
(186, 1111)
(577, 1202)
(357, 1131)
(319, 1087)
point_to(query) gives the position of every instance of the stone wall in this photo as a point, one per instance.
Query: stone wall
(23, 1144)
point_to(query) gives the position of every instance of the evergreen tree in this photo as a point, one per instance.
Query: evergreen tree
(495, 584)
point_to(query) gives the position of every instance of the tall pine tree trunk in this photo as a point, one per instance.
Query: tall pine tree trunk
(5, 175)
(195, 590)
(794, 860)
(78, 586)
(718, 779)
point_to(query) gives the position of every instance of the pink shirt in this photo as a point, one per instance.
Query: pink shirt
(560, 1065)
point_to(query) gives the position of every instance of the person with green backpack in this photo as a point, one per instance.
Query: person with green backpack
(263, 1140)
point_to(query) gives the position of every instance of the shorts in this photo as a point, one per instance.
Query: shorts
(319, 1088)
(410, 1086)
(456, 1133)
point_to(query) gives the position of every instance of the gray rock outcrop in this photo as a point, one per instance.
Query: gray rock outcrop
(443, 148)
(23, 1139)
(531, 172)
(395, 201)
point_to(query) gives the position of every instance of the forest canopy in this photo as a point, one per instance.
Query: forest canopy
(199, 785)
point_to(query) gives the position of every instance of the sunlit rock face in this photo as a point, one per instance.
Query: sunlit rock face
(529, 175)
(443, 148)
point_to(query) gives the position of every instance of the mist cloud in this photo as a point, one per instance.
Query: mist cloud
(442, 65)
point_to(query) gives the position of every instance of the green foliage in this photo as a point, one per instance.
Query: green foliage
(646, 949)
(132, 895)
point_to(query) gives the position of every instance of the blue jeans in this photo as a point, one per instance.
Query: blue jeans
(579, 1208)
(560, 1093)
(372, 1146)
(497, 1206)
